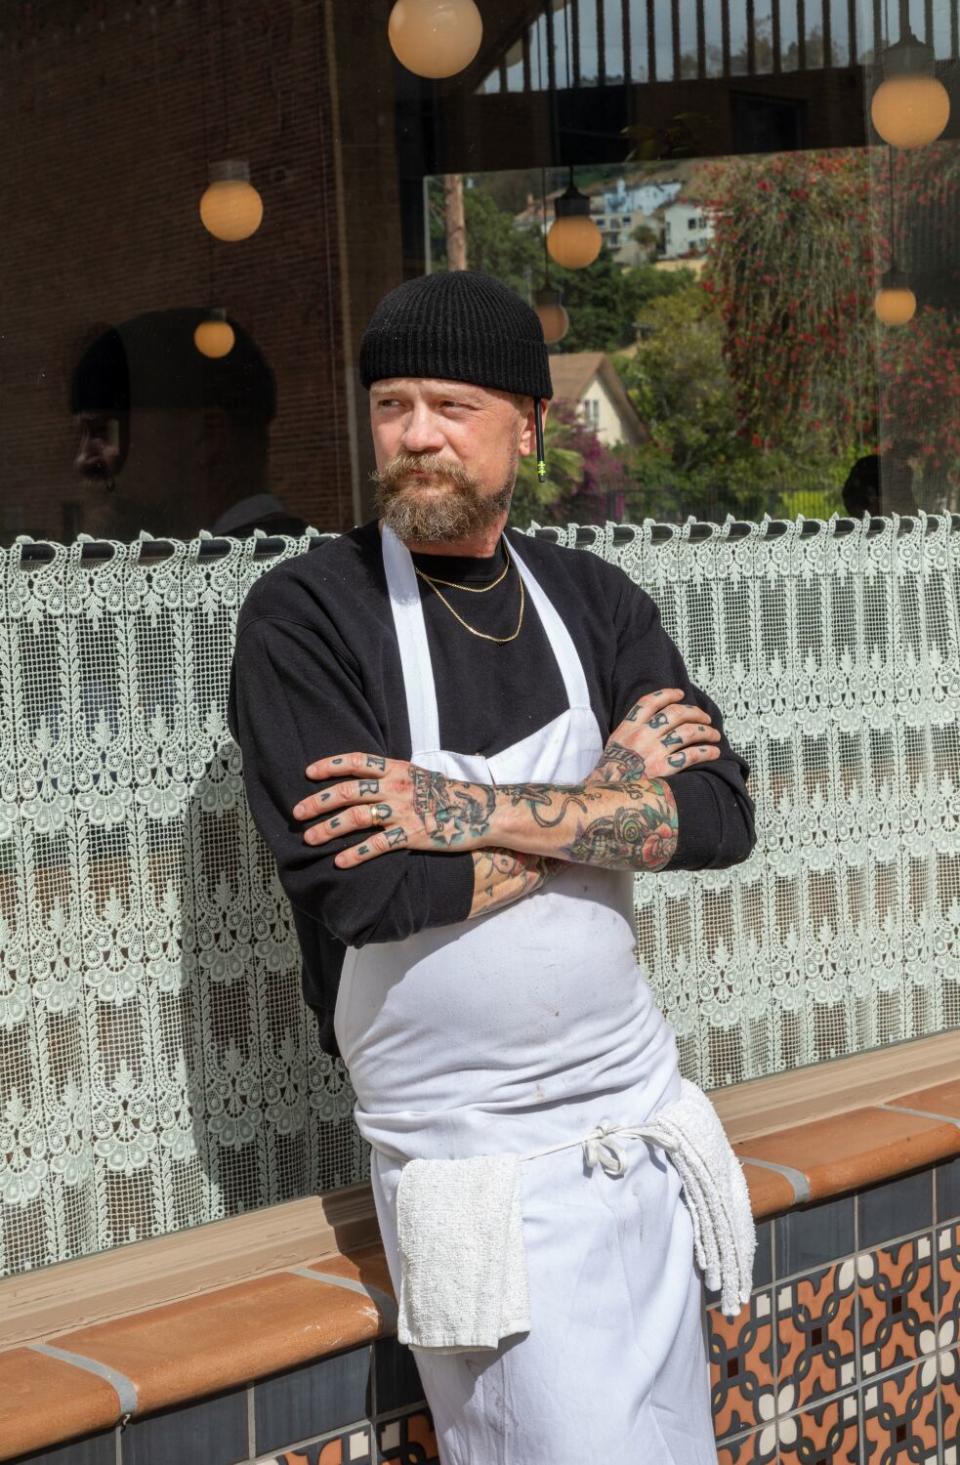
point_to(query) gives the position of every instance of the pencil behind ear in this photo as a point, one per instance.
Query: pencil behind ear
(541, 455)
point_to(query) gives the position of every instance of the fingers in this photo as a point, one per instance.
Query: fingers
(681, 758)
(344, 763)
(377, 844)
(340, 766)
(649, 705)
(687, 733)
(665, 709)
(355, 815)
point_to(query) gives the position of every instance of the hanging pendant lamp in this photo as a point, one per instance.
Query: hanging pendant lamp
(214, 337)
(894, 303)
(231, 208)
(548, 303)
(573, 240)
(435, 38)
(910, 106)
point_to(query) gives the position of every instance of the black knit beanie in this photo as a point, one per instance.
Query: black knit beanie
(458, 325)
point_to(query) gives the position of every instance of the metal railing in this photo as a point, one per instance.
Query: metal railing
(616, 42)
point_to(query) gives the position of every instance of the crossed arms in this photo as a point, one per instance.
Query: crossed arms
(622, 816)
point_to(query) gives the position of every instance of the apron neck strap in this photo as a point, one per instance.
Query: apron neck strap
(418, 680)
(418, 684)
(561, 642)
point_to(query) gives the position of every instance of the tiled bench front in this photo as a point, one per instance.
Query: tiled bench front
(848, 1352)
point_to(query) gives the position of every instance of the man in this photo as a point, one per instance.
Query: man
(173, 441)
(892, 473)
(460, 742)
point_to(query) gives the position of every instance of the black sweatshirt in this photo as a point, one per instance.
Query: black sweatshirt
(316, 671)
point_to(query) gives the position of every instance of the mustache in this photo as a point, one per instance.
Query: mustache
(393, 475)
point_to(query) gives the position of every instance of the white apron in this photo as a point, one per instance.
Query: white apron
(517, 1030)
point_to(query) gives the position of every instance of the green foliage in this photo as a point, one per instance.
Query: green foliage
(695, 459)
(603, 301)
(547, 502)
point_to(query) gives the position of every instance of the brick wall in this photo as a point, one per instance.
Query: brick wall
(111, 112)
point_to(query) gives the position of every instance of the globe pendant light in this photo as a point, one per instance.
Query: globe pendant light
(548, 303)
(894, 303)
(574, 240)
(231, 208)
(214, 337)
(910, 106)
(435, 38)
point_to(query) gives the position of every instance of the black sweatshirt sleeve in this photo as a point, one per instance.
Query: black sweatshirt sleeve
(715, 811)
(293, 700)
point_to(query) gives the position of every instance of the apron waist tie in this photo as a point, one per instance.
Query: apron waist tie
(600, 1149)
(463, 1279)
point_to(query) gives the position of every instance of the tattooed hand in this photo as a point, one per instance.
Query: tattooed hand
(409, 808)
(660, 735)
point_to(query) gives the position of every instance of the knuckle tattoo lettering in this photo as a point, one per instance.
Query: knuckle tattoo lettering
(396, 836)
(677, 760)
(368, 786)
(659, 719)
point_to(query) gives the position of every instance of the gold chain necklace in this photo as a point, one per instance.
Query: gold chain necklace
(500, 640)
(474, 589)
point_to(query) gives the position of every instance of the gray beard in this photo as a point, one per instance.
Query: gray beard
(456, 512)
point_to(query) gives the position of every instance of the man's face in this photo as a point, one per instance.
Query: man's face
(101, 447)
(446, 454)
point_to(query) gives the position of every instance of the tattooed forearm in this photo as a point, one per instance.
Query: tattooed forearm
(634, 836)
(542, 797)
(619, 765)
(502, 876)
(450, 809)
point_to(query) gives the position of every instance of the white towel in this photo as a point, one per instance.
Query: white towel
(724, 1235)
(463, 1266)
(463, 1274)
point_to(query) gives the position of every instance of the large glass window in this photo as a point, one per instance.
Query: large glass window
(204, 203)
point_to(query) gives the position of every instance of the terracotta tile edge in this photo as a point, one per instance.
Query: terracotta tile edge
(149, 1399)
(869, 1165)
(91, 1409)
(796, 1179)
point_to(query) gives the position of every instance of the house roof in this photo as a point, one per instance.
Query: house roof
(572, 373)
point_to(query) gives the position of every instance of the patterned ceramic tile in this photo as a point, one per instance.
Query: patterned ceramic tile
(407, 1441)
(948, 1269)
(900, 1420)
(826, 1435)
(816, 1329)
(747, 1450)
(741, 1365)
(351, 1447)
(896, 1303)
(950, 1406)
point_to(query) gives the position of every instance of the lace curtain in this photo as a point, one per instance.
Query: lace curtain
(158, 1068)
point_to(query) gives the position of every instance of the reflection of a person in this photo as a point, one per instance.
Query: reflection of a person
(173, 441)
(882, 485)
